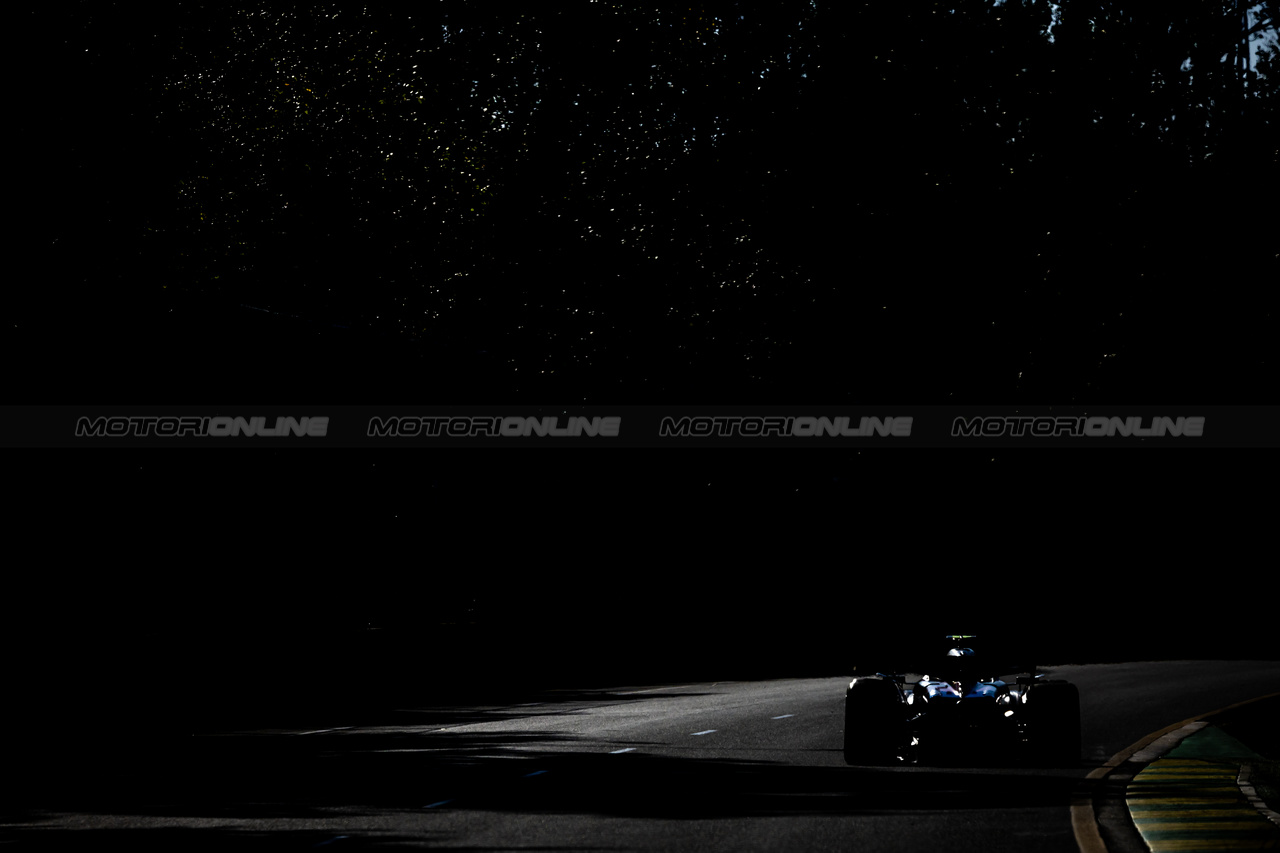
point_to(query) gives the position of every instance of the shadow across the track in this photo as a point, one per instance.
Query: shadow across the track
(382, 783)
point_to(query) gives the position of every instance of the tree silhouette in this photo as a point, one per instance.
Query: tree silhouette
(973, 200)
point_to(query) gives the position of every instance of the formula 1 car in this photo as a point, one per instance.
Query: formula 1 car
(960, 711)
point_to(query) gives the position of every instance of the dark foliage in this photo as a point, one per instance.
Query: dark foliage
(941, 202)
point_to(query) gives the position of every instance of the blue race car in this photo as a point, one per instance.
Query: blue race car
(959, 710)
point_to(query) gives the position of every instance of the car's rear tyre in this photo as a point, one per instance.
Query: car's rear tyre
(1052, 710)
(874, 722)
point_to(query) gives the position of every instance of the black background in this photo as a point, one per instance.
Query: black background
(223, 584)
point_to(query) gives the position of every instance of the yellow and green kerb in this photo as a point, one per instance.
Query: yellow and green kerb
(1193, 804)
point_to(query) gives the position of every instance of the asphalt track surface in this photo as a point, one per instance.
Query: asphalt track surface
(749, 765)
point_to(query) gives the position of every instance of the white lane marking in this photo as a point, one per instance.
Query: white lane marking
(651, 690)
(620, 751)
(707, 732)
(784, 716)
(322, 731)
(441, 803)
(534, 773)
